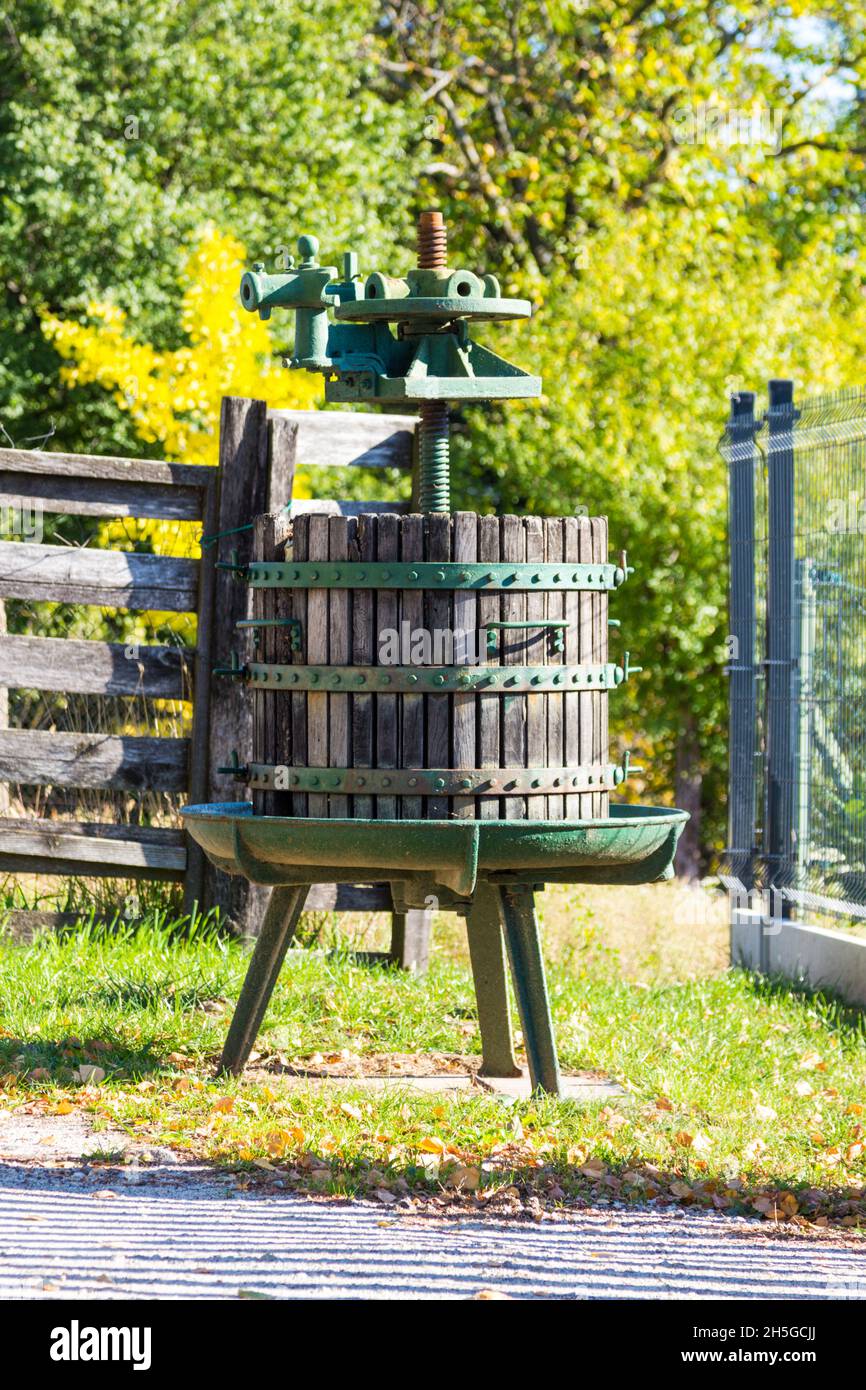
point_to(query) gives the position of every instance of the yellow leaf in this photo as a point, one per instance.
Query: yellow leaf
(225, 1105)
(854, 1108)
(63, 1107)
(430, 1145)
(593, 1168)
(684, 1139)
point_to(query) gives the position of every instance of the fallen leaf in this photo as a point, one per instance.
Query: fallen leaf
(225, 1105)
(352, 1111)
(429, 1145)
(680, 1189)
(593, 1168)
(766, 1112)
(804, 1089)
(465, 1178)
(386, 1197)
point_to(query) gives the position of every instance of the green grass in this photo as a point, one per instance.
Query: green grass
(739, 1092)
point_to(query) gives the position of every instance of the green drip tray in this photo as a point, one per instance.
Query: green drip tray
(634, 845)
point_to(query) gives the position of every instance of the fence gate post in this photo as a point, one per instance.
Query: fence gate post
(256, 467)
(781, 669)
(742, 689)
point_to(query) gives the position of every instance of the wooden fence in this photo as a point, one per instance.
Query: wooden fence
(258, 454)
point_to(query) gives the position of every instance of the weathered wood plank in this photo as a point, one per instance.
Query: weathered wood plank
(343, 438)
(354, 509)
(106, 578)
(572, 656)
(317, 655)
(340, 623)
(272, 726)
(300, 551)
(60, 843)
(363, 547)
(465, 603)
(535, 652)
(412, 614)
(489, 714)
(105, 468)
(513, 706)
(349, 897)
(194, 880)
(95, 668)
(437, 618)
(554, 548)
(40, 758)
(100, 497)
(386, 705)
(585, 739)
(599, 654)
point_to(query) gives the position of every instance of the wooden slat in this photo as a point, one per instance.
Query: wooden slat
(300, 551)
(599, 654)
(317, 655)
(572, 656)
(412, 614)
(272, 724)
(363, 547)
(73, 496)
(437, 615)
(349, 897)
(388, 548)
(107, 578)
(339, 438)
(513, 706)
(54, 840)
(535, 652)
(334, 508)
(554, 550)
(40, 758)
(489, 717)
(465, 603)
(105, 468)
(585, 742)
(95, 668)
(340, 624)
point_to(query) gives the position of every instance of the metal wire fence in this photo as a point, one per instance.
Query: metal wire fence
(797, 809)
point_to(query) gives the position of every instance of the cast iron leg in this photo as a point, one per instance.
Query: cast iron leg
(530, 985)
(278, 927)
(487, 953)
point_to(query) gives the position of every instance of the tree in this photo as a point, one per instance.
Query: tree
(125, 128)
(668, 187)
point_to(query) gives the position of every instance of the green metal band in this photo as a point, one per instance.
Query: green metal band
(504, 680)
(323, 574)
(376, 781)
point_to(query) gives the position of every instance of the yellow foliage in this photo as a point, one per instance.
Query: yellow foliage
(174, 397)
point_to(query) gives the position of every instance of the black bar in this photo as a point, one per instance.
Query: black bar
(781, 695)
(742, 691)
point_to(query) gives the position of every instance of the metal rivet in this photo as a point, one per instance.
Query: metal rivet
(314, 781)
(440, 575)
(557, 680)
(336, 574)
(386, 574)
(314, 678)
(412, 678)
(293, 677)
(439, 680)
(465, 679)
(385, 679)
(362, 574)
(386, 781)
(557, 781)
(296, 574)
(439, 783)
(277, 677)
(535, 782)
(314, 574)
(536, 680)
(360, 679)
(536, 578)
(465, 576)
(575, 577)
(466, 782)
(557, 579)
(575, 781)
(413, 781)
(362, 781)
(336, 678)
(413, 574)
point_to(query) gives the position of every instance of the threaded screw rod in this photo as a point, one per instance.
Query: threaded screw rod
(434, 454)
(434, 471)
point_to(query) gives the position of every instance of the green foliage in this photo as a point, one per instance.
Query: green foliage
(571, 146)
(124, 128)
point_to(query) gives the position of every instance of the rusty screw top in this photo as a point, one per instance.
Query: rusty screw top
(432, 241)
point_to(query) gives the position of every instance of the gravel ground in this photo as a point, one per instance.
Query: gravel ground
(188, 1233)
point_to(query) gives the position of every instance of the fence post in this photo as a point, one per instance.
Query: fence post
(256, 469)
(742, 688)
(781, 695)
